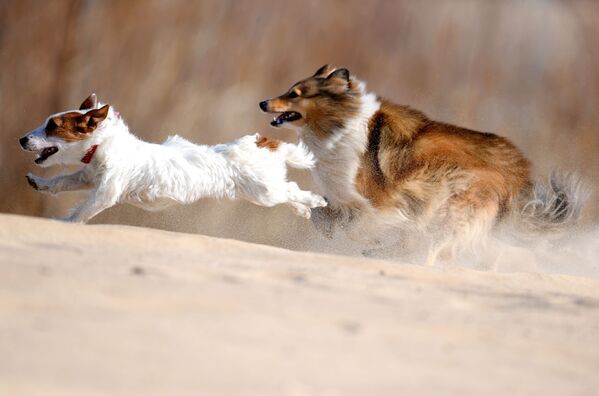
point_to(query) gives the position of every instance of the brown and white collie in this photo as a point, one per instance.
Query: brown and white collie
(384, 166)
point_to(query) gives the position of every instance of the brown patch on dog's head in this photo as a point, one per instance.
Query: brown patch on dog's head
(264, 142)
(90, 102)
(75, 126)
(323, 102)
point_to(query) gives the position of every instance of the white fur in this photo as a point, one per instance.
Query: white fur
(384, 232)
(153, 176)
(443, 230)
(339, 156)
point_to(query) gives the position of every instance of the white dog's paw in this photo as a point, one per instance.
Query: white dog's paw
(306, 214)
(38, 183)
(302, 210)
(318, 201)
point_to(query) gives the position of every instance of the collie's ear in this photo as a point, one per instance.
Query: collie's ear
(340, 73)
(337, 82)
(96, 116)
(323, 71)
(90, 103)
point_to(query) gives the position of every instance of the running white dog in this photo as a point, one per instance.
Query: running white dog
(119, 167)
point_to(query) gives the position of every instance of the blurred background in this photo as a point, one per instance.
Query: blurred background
(528, 70)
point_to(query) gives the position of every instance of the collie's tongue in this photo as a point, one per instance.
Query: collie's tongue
(287, 116)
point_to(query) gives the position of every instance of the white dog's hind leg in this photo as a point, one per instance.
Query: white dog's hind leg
(71, 182)
(301, 210)
(286, 193)
(303, 201)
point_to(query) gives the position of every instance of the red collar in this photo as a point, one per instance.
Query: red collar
(89, 154)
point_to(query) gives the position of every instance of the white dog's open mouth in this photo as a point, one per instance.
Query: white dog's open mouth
(287, 116)
(45, 154)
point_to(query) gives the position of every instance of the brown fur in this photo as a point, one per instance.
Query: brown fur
(264, 142)
(90, 102)
(408, 155)
(325, 103)
(433, 173)
(74, 126)
(415, 174)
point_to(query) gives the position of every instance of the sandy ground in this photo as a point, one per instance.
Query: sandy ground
(116, 310)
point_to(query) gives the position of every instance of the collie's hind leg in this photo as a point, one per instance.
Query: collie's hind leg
(466, 227)
(443, 250)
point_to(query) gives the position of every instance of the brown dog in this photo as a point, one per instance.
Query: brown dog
(388, 164)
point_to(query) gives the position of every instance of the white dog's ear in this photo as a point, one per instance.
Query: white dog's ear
(90, 103)
(96, 116)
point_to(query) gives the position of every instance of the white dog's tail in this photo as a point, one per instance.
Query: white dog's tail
(553, 206)
(297, 155)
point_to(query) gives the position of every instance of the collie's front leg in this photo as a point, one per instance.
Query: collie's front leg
(325, 219)
(71, 182)
(98, 201)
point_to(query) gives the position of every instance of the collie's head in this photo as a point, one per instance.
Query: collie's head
(64, 137)
(321, 103)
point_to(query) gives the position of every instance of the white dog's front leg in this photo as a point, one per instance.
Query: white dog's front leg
(98, 201)
(71, 182)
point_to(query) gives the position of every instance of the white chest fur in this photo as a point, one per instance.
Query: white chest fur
(339, 156)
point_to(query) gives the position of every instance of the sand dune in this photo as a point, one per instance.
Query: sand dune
(92, 310)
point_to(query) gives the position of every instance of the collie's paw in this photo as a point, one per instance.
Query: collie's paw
(323, 221)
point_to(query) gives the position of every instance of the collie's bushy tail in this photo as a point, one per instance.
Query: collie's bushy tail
(553, 206)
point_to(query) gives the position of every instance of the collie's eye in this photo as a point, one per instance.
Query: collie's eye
(292, 95)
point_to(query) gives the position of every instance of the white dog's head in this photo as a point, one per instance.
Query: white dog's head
(64, 137)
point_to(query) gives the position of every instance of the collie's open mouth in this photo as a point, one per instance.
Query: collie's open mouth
(287, 116)
(45, 154)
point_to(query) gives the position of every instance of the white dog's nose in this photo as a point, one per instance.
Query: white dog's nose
(23, 141)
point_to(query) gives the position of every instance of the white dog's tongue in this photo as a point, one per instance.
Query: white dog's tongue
(47, 152)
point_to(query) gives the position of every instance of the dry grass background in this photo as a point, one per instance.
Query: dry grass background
(527, 70)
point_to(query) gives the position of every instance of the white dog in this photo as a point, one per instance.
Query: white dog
(119, 167)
